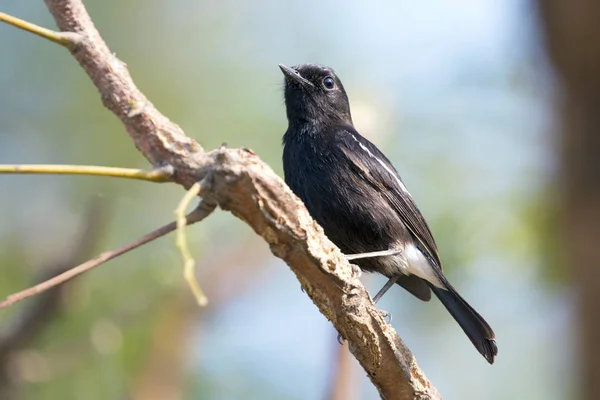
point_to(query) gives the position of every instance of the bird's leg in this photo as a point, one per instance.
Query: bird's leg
(386, 314)
(382, 253)
(356, 271)
(381, 292)
(378, 296)
(385, 288)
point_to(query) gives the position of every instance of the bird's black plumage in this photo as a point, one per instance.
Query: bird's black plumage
(354, 192)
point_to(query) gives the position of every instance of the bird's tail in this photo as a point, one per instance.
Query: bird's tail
(477, 329)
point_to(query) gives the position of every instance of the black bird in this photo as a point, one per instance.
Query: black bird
(354, 192)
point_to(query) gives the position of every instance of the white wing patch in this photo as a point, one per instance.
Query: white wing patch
(380, 161)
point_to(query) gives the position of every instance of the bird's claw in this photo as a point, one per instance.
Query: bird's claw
(386, 316)
(356, 271)
(340, 339)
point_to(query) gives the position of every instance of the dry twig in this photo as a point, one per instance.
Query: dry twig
(197, 215)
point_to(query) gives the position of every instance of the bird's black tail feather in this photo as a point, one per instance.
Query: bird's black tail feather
(476, 328)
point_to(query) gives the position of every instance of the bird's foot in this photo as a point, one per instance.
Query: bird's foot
(356, 271)
(340, 339)
(386, 315)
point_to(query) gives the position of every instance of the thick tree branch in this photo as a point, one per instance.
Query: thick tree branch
(238, 181)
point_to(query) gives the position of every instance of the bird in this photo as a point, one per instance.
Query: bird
(352, 190)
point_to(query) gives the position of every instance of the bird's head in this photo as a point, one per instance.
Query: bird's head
(314, 94)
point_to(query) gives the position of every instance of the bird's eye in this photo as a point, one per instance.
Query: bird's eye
(328, 83)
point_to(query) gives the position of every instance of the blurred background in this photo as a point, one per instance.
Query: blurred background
(461, 97)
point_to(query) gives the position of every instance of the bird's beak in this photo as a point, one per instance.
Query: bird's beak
(291, 75)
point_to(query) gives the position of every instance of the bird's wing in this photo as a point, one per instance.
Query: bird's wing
(373, 166)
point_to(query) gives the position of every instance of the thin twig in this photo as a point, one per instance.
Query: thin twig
(66, 39)
(158, 175)
(181, 242)
(197, 215)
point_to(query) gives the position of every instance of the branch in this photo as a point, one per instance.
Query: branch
(161, 141)
(238, 181)
(182, 245)
(66, 39)
(197, 215)
(158, 175)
